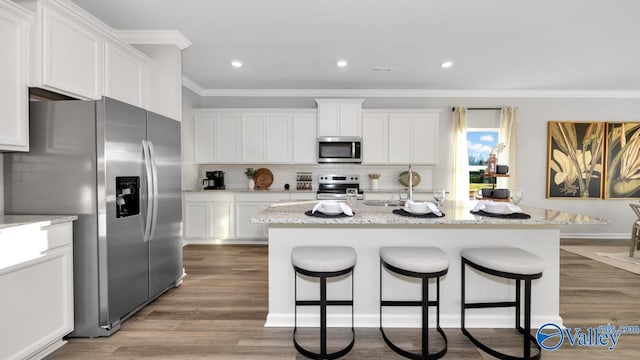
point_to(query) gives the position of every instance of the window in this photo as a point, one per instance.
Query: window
(480, 142)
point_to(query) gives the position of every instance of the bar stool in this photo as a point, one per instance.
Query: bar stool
(322, 262)
(419, 262)
(510, 263)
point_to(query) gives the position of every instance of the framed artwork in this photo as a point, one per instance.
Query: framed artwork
(622, 164)
(575, 159)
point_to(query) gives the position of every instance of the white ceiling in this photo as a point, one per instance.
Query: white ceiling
(497, 45)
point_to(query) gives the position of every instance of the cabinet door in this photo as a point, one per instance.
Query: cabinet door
(125, 76)
(425, 139)
(244, 227)
(14, 125)
(278, 138)
(72, 56)
(304, 139)
(253, 138)
(204, 128)
(328, 119)
(350, 119)
(221, 220)
(228, 138)
(400, 138)
(196, 220)
(375, 139)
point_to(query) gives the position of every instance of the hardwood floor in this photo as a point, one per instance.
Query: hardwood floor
(219, 312)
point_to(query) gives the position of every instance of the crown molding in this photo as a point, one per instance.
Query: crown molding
(409, 93)
(16, 10)
(157, 37)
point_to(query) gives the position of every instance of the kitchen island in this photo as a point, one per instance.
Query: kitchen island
(375, 226)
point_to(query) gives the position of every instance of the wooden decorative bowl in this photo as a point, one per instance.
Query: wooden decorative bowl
(263, 178)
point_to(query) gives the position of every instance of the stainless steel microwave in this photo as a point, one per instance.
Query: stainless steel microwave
(339, 150)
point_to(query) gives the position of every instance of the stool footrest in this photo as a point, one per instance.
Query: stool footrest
(501, 355)
(417, 356)
(490, 305)
(328, 302)
(406, 303)
(329, 356)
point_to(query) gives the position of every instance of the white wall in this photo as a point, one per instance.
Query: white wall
(533, 115)
(190, 176)
(1, 185)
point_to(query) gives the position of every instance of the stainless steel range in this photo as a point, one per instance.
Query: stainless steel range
(334, 187)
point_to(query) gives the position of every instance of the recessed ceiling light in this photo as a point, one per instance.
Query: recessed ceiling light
(341, 63)
(446, 64)
(236, 63)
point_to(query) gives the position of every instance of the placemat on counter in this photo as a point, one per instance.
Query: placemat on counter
(403, 212)
(320, 214)
(502, 216)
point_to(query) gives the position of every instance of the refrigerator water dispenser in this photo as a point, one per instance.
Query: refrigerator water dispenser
(127, 196)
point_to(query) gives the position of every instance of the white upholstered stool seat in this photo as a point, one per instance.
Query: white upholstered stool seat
(323, 258)
(416, 259)
(505, 259)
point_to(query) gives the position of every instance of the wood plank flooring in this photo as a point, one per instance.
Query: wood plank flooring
(219, 312)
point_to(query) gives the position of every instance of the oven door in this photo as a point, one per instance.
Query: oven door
(339, 150)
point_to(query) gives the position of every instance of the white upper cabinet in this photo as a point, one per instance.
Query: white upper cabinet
(217, 137)
(254, 136)
(340, 117)
(375, 138)
(73, 53)
(304, 138)
(400, 137)
(126, 75)
(14, 124)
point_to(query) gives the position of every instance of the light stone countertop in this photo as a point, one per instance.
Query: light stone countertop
(455, 214)
(245, 190)
(9, 221)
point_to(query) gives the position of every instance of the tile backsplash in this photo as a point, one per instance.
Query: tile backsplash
(286, 174)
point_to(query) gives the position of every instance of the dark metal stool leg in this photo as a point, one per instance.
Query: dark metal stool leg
(526, 331)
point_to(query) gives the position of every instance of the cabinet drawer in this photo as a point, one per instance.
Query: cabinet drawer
(261, 197)
(59, 235)
(208, 197)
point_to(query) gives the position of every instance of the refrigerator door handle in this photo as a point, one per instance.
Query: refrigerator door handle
(154, 174)
(147, 165)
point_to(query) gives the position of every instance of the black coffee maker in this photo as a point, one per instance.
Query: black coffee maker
(214, 180)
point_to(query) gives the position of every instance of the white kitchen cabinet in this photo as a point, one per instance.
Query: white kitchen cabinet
(67, 51)
(340, 117)
(254, 136)
(37, 308)
(14, 37)
(247, 206)
(208, 217)
(266, 138)
(126, 75)
(217, 137)
(304, 138)
(375, 138)
(400, 137)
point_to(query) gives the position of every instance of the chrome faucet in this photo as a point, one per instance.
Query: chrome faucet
(410, 182)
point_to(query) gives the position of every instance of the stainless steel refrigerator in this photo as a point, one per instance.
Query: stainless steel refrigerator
(117, 167)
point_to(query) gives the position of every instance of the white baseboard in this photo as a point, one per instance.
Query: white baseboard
(256, 241)
(612, 236)
(405, 321)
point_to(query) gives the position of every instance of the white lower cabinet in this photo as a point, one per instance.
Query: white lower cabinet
(247, 206)
(208, 216)
(36, 275)
(216, 217)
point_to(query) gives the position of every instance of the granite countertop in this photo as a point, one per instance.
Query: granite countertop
(456, 214)
(245, 190)
(9, 221)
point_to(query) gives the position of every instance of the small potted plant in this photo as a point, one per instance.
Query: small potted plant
(374, 181)
(250, 173)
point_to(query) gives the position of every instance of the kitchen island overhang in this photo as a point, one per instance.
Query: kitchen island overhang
(375, 227)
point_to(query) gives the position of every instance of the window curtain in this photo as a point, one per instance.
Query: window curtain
(508, 136)
(460, 176)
